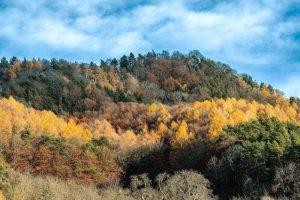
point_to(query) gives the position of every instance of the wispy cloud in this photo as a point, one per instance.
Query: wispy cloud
(260, 37)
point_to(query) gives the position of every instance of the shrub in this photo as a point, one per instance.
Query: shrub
(186, 185)
(286, 183)
(27, 187)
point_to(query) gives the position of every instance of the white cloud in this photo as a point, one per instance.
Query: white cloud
(89, 24)
(55, 33)
(129, 42)
(292, 86)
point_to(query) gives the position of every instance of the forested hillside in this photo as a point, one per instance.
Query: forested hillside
(155, 126)
(65, 87)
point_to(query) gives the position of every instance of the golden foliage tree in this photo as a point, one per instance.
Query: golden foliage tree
(15, 117)
(181, 135)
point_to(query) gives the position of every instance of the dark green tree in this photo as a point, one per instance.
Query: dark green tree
(4, 63)
(124, 62)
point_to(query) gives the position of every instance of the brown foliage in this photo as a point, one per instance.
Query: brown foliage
(63, 160)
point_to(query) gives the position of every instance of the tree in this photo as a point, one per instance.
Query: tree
(264, 89)
(4, 63)
(165, 54)
(182, 135)
(13, 60)
(124, 62)
(131, 62)
(286, 183)
(36, 64)
(196, 54)
(114, 62)
(26, 64)
(185, 185)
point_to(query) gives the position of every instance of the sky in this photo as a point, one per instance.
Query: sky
(258, 37)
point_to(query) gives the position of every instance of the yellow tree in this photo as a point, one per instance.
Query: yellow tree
(182, 135)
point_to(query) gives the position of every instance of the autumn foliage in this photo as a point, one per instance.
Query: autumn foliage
(133, 125)
(156, 113)
(15, 117)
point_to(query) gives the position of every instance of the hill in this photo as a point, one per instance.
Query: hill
(65, 87)
(157, 126)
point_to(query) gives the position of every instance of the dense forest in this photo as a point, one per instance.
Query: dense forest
(155, 126)
(65, 87)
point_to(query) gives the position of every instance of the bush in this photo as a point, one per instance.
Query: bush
(27, 187)
(287, 182)
(185, 185)
(181, 185)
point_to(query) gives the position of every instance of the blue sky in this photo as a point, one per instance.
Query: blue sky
(258, 37)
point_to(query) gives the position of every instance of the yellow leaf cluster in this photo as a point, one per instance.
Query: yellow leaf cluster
(160, 111)
(162, 129)
(181, 135)
(221, 113)
(108, 78)
(15, 117)
(102, 128)
(179, 123)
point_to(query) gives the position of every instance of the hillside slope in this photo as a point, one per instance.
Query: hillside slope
(65, 87)
(152, 127)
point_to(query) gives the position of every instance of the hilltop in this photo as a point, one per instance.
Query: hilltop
(65, 87)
